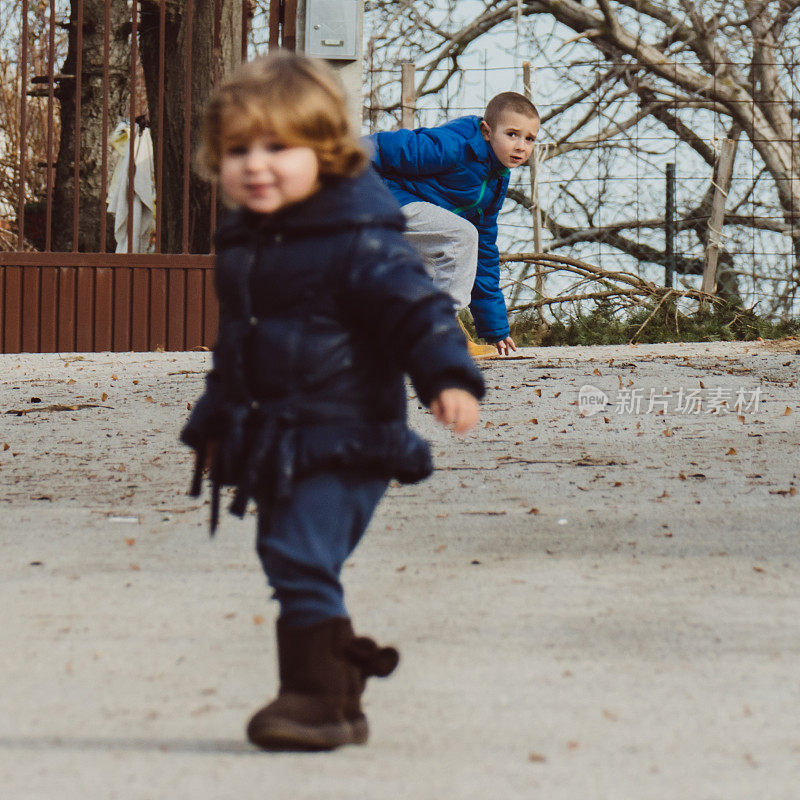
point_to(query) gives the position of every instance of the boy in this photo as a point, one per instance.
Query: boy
(451, 182)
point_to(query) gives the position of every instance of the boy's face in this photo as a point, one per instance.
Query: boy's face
(512, 138)
(264, 175)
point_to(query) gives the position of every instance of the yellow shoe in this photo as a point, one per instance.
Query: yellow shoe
(477, 350)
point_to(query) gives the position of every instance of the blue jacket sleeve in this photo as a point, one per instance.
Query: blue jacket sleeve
(424, 151)
(392, 296)
(488, 306)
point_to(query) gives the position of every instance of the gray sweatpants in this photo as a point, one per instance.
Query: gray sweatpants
(448, 245)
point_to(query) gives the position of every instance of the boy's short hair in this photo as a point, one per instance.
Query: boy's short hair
(508, 101)
(298, 100)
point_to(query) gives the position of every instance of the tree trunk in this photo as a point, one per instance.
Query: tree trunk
(209, 60)
(92, 206)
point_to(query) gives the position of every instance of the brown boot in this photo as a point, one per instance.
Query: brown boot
(366, 660)
(308, 713)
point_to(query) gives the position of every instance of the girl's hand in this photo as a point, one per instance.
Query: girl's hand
(505, 346)
(456, 409)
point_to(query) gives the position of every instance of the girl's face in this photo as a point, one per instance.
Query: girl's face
(263, 174)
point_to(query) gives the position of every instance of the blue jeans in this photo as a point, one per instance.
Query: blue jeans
(303, 542)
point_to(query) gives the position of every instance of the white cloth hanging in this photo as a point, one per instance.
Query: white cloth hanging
(144, 189)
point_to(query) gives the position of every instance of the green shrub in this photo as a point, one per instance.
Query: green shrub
(607, 324)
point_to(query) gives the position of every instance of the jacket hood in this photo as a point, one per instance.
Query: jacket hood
(339, 203)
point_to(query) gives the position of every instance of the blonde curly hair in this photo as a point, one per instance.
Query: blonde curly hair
(298, 100)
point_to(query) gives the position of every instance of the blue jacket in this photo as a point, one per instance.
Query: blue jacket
(323, 307)
(452, 166)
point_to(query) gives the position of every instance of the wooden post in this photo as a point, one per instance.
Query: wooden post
(722, 182)
(408, 102)
(536, 213)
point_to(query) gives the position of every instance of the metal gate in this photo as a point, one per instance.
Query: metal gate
(85, 68)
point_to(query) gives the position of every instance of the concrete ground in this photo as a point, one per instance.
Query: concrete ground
(589, 607)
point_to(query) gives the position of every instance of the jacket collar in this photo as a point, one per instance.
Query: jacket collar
(482, 150)
(340, 203)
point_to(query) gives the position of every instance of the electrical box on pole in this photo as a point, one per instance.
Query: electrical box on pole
(333, 29)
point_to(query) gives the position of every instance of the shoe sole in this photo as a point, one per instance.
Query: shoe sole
(288, 735)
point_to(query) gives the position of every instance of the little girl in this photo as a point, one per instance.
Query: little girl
(303, 411)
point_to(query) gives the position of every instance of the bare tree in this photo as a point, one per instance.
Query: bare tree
(93, 56)
(215, 50)
(622, 76)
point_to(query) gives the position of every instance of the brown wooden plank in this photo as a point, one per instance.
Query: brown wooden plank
(116, 260)
(158, 309)
(140, 302)
(176, 309)
(67, 287)
(84, 322)
(48, 342)
(30, 309)
(122, 310)
(210, 312)
(103, 310)
(12, 310)
(2, 310)
(194, 309)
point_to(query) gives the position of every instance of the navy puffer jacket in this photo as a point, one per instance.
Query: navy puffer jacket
(323, 309)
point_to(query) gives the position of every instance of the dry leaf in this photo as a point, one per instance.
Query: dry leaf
(149, 399)
(489, 425)
(114, 378)
(534, 511)
(740, 418)
(134, 567)
(702, 385)
(188, 406)
(758, 569)
(6, 445)
(401, 569)
(538, 392)
(534, 421)
(667, 432)
(136, 383)
(130, 542)
(103, 397)
(606, 420)
(787, 412)
(556, 394)
(617, 483)
(70, 381)
(682, 476)
(731, 452)
(596, 371)
(441, 548)
(258, 619)
(536, 758)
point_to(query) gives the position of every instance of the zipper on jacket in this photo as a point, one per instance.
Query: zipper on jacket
(482, 192)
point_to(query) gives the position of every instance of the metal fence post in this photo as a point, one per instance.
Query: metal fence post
(669, 228)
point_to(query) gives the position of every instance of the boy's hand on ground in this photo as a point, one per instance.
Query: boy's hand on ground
(505, 346)
(456, 409)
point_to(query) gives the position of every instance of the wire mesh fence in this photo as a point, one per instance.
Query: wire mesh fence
(603, 184)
